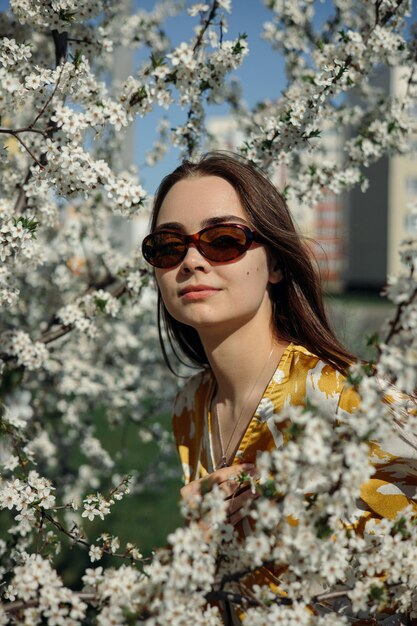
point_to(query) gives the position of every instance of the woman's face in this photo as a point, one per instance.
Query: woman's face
(236, 291)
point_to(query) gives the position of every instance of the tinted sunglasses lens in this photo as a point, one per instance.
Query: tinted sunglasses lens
(163, 249)
(224, 243)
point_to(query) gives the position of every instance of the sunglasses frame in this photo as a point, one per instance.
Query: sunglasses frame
(251, 236)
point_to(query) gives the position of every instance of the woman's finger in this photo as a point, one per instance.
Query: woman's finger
(190, 490)
(230, 481)
(237, 509)
(232, 473)
(227, 478)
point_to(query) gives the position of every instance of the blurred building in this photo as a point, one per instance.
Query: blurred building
(323, 224)
(379, 219)
(328, 220)
(355, 237)
(126, 233)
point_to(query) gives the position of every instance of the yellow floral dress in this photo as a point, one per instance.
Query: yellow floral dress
(300, 377)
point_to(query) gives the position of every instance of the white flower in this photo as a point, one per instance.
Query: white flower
(197, 8)
(95, 553)
(92, 577)
(18, 410)
(90, 510)
(226, 5)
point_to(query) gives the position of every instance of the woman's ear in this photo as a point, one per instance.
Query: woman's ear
(275, 275)
(275, 271)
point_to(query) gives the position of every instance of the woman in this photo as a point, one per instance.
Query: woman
(240, 296)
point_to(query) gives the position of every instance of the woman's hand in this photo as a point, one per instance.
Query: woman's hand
(236, 493)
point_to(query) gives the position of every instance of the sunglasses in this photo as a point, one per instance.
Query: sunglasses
(220, 243)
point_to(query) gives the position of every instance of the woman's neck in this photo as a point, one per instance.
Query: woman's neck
(239, 358)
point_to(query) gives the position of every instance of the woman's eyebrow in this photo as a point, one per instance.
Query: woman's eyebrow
(209, 221)
(169, 226)
(221, 219)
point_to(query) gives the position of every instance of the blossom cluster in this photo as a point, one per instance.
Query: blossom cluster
(28, 353)
(35, 579)
(81, 313)
(14, 238)
(26, 496)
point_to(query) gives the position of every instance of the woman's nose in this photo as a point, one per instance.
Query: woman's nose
(194, 260)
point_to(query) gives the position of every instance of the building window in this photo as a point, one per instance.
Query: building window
(410, 222)
(411, 185)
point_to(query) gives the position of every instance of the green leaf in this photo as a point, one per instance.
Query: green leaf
(138, 96)
(100, 304)
(400, 527)
(293, 431)
(308, 79)
(343, 36)
(313, 133)
(157, 61)
(372, 340)
(237, 48)
(354, 379)
(28, 223)
(322, 527)
(67, 16)
(76, 58)
(268, 489)
(205, 486)
(376, 593)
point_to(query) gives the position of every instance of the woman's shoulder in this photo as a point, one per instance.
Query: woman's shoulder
(299, 361)
(193, 392)
(305, 376)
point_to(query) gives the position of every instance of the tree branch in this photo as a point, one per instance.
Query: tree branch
(18, 605)
(47, 103)
(61, 46)
(21, 200)
(400, 308)
(206, 24)
(15, 131)
(63, 329)
(28, 150)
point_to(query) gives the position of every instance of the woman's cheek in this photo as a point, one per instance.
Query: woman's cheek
(164, 289)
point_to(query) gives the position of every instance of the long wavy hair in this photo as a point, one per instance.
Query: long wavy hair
(299, 315)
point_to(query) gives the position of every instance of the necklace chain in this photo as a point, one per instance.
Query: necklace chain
(223, 450)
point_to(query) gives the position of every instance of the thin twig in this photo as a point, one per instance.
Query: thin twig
(400, 308)
(331, 595)
(61, 45)
(21, 200)
(14, 131)
(79, 540)
(64, 329)
(49, 99)
(228, 596)
(13, 607)
(29, 151)
(206, 24)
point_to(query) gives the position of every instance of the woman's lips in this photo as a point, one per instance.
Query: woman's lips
(198, 292)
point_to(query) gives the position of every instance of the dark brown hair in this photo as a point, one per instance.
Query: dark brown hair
(298, 309)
